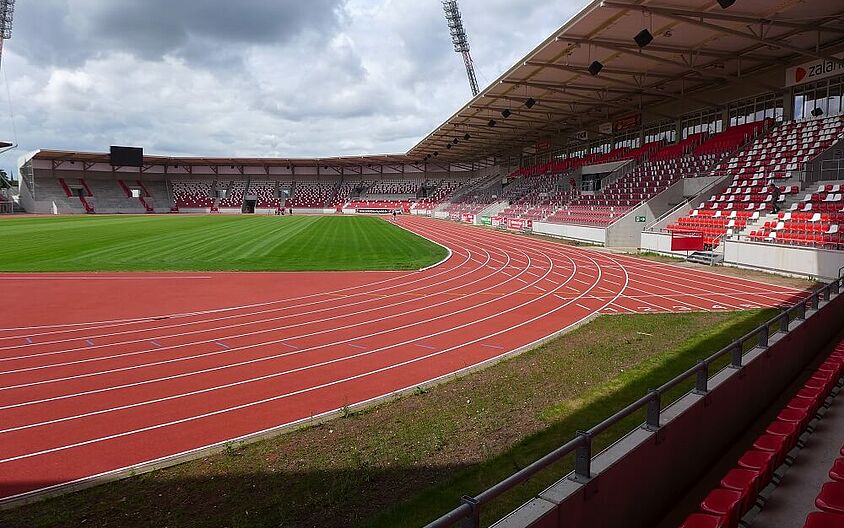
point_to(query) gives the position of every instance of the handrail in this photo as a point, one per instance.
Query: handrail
(468, 512)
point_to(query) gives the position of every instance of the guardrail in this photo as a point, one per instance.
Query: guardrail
(468, 513)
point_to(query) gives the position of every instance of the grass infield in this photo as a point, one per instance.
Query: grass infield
(403, 463)
(211, 243)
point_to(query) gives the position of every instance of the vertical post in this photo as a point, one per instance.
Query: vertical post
(702, 378)
(763, 336)
(784, 320)
(654, 409)
(474, 518)
(583, 457)
(801, 310)
(736, 355)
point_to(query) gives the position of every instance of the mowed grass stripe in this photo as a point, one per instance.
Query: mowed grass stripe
(210, 243)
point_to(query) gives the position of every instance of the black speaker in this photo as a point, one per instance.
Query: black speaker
(817, 112)
(643, 38)
(467, 137)
(506, 113)
(456, 141)
(726, 3)
(530, 103)
(492, 123)
(595, 68)
(436, 153)
(448, 146)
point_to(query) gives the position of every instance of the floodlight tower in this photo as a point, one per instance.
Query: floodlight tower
(7, 14)
(460, 40)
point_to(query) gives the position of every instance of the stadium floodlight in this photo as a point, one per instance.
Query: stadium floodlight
(7, 14)
(506, 113)
(726, 3)
(460, 41)
(467, 137)
(492, 123)
(595, 68)
(530, 103)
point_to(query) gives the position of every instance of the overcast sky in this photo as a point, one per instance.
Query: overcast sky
(252, 77)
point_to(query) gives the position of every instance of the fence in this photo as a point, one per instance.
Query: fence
(468, 513)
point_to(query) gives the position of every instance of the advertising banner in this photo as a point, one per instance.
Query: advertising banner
(468, 218)
(812, 71)
(485, 220)
(519, 224)
(686, 241)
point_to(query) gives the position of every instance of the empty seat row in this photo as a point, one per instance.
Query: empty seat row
(738, 490)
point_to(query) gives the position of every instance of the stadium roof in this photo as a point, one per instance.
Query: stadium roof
(334, 162)
(697, 46)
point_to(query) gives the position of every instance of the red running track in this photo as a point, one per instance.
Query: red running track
(103, 372)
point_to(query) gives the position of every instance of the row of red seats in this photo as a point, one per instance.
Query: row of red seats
(724, 506)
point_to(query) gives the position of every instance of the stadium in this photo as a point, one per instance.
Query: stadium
(606, 292)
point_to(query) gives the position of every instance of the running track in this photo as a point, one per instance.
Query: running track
(102, 372)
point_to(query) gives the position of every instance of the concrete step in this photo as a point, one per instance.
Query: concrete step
(706, 257)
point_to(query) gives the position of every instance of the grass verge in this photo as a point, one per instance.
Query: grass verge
(405, 462)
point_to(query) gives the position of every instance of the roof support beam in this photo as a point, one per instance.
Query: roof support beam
(715, 15)
(563, 90)
(762, 40)
(640, 87)
(706, 73)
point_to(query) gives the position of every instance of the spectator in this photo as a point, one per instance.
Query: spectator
(775, 197)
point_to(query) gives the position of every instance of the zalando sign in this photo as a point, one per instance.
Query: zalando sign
(813, 71)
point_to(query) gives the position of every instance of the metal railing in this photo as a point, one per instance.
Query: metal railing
(468, 513)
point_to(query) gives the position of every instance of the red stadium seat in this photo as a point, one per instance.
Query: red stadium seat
(788, 430)
(759, 461)
(746, 482)
(836, 473)
(831, 498)
(824, 520)
(703, 520)
(724, 503)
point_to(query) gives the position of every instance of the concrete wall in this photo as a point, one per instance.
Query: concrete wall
(595, 235)
(627, 232)
(638, 479)
(795, 260)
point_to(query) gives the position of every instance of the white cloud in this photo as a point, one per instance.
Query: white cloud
(338, 77)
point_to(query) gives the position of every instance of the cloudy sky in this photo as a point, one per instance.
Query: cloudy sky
(252, 77)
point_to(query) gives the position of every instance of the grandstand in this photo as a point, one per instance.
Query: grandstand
(716, 138)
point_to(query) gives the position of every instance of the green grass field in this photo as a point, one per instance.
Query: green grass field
(211, 243)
